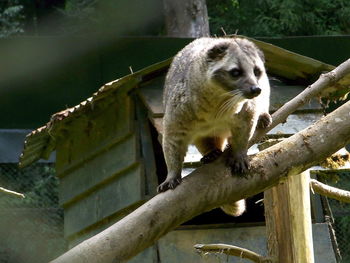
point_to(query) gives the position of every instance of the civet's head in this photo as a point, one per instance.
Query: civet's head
(237, 66)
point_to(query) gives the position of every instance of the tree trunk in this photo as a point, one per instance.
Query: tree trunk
(186, 18)
(211, 186)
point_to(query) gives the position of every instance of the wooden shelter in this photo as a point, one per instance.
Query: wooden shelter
(109, 158)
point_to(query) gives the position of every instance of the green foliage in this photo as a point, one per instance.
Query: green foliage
(11, 18)
(110, 17)
(279, 17)
(79, 16)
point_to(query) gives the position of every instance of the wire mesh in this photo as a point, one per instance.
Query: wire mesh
(31, 228)
(341, 214)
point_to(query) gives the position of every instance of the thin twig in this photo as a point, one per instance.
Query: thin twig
(232, 251)
(330, 191)
(11, 192)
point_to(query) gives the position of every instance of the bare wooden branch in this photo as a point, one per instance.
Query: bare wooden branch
(314, 90)
(232, 251)
(329, 191)
(6, 191)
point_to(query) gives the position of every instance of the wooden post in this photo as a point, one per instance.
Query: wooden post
(288, 220)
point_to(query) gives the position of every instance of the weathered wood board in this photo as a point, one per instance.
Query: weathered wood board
(111, 161)
(149, 255)
(151, 94)
(75, 239)
(115, 195)
(148, 156)
(88, 135)
(293, 66)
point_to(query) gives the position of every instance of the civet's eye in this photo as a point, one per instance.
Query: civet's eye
(257, 72)
(236, 72)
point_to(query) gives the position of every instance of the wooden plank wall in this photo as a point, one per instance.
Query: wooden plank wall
(100, 169)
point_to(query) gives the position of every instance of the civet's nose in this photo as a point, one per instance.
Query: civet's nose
(252, 92)
(255, 91)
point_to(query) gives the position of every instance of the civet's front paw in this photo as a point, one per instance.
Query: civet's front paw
(264, 121)
(170, 183)
(238, 162)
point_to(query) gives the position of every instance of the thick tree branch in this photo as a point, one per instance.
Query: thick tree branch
(211, 186)
(329, 191)
(318, 88)
(232, 251)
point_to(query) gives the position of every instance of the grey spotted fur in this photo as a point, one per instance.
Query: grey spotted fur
(216, 89)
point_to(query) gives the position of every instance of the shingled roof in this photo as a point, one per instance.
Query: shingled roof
(279, 62)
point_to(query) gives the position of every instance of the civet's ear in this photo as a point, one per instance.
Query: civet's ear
(217, 52)
(261, 55)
